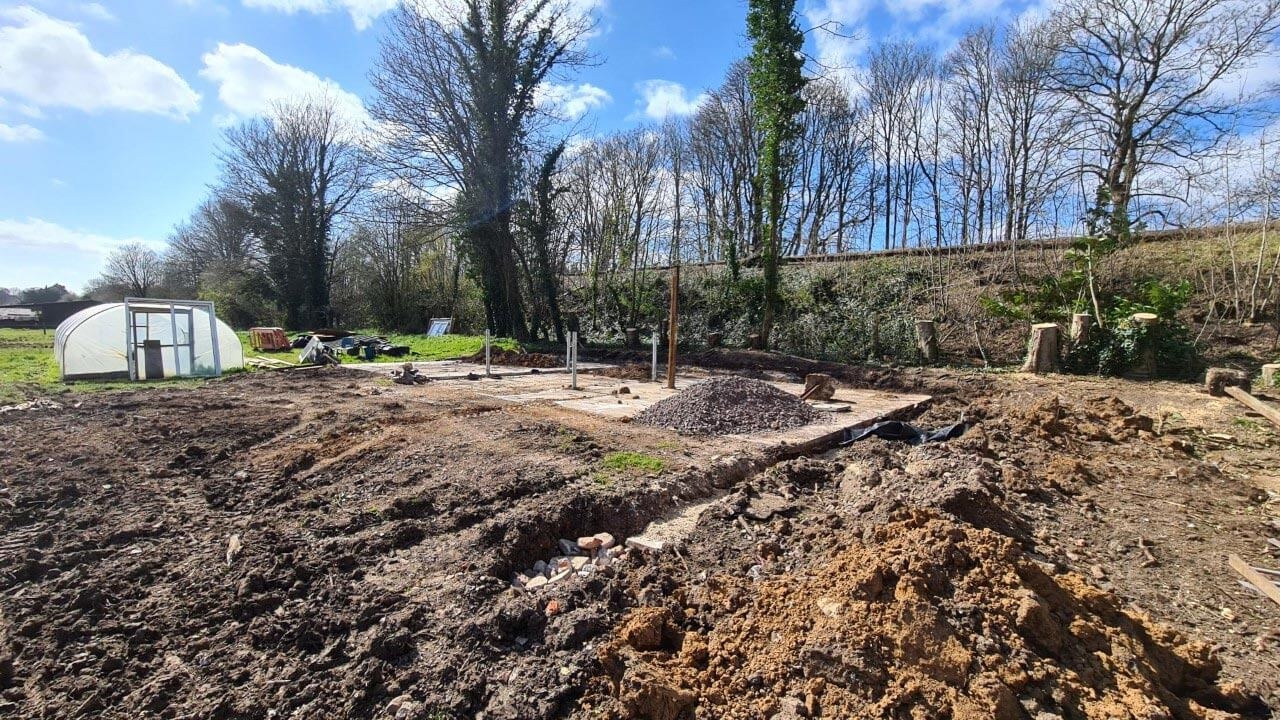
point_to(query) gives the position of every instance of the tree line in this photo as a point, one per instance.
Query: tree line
(467, 198)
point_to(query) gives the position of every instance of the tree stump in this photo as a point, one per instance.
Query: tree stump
(927, 341)
(1042, 350)
(754, 341)
(1147, 353)
(1271, 375)
(1216, 380)
(633, 338)
(1081, 325)
(818, 386)
(714, 339)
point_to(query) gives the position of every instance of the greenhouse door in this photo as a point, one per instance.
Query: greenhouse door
(160, 342)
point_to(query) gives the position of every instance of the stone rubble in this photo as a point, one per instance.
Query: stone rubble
(590, 554)
(729, 405)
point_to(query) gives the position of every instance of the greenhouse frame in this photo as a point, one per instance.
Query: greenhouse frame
(146, 339)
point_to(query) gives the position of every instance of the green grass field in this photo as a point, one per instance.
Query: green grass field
(27, 367)
(421, 347)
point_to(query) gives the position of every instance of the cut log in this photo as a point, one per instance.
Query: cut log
(1271, 375)
(927, 341)
(1255, 404)
(1256, 578)
(1081, 324)
(1217, 379)
(1042, 350)
(818, 387)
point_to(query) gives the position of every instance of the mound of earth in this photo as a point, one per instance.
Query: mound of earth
(729, 405)
(923, 618)
(513, 358)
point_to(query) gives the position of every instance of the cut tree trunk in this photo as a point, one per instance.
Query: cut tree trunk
(1147, 359)
(1042, 350)
(927, 341)
(1217, 380)
(1081, 324)
(1271, 375)
(818, 386)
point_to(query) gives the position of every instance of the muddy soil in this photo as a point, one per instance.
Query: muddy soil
(374, 528)
(326, 544)
(1066, 558)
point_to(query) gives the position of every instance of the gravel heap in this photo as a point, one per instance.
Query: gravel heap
(729, 405)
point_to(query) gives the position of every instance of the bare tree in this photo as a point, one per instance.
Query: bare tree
(1144, 77)
(297, 171)
(133, 270)
(456, 84)
(219, 234)
(1033, 125)
(892, 82)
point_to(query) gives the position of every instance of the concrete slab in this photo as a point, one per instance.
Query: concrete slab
(460, 370)
(849, 408)
(860, 408)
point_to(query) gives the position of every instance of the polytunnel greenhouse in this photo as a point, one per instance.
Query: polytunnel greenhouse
(146, 339)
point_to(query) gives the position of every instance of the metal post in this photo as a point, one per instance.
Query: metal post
(129, 333)
(173, 328)
(213, 336)
(573, 362)
(487, 363)
(672, 327)
(655, 357)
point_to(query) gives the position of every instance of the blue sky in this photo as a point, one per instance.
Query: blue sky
(111, 112)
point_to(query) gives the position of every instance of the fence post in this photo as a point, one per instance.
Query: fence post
(573, 363)
(487, 363)
(654, 378)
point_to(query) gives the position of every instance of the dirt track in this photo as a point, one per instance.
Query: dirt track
(379, 526)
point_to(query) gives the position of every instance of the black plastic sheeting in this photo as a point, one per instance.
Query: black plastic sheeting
(905, 432)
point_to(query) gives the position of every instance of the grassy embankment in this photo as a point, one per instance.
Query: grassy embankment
(28, 369)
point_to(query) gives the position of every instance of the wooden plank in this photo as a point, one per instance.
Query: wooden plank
(1254, 404)
(1256, 578)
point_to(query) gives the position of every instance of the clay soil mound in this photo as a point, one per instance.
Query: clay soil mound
(729, 405)
(924, 618)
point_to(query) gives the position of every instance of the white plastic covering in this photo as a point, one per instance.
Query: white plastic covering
(94, 343)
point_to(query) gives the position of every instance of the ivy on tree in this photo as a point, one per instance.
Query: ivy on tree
(776, 80)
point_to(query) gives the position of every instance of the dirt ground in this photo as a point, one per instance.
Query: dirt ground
(326, 544)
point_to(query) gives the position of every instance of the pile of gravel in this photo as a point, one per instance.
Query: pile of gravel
(729, 405)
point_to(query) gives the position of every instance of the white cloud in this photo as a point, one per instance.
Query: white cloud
(19, 133)
(1248, 81)
(662, 52)
(572, 101)
(249, 83)
(36, 234)
(363, 12)
(95, 11)
(50, 63)
(838, 39)
(39, 252)
(664, 98)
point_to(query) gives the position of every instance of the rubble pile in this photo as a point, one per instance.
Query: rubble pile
(729, 405)
(589, 555)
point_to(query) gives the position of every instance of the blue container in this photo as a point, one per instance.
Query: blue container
(370, 352)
